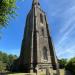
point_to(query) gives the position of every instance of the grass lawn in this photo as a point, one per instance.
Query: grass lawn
(17, 74)
(21, 74)
(62, 72)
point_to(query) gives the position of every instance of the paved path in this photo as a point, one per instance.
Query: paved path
(68, 73)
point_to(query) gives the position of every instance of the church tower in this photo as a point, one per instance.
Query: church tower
(37, 51)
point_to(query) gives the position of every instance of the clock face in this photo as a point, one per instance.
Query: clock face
(41, 24)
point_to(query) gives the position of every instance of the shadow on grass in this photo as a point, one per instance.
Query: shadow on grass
(6, 73)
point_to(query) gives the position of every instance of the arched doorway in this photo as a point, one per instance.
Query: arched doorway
(45, 54)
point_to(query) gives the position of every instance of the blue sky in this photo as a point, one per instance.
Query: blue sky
(61, 20)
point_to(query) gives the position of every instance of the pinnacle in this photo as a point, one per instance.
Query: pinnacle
(35, 1)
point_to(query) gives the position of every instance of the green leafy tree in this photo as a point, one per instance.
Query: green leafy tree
(71, 65)
(1, 55)
(12, 58)
(62, 63)
(7, 10)
(6, 61)
(5, 58)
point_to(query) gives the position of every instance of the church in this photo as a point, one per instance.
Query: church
(37, 51)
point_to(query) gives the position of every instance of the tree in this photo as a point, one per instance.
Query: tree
(6, 61)
(11, 60)
(1, 56)
(71, 65)
(62, 63)
(7, 10)
(5, 58)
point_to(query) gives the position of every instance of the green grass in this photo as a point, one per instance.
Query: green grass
(21, 74)
(62, 72)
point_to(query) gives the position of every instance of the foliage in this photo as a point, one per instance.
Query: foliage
(62, 63)
(71, 65)
(11, 60)
(7, 10)
(2, 66)
(6, 61)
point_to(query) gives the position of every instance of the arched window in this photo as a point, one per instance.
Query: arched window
(45, 56)
(41, 18)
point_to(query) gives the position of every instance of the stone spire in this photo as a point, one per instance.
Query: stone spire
(37, 51)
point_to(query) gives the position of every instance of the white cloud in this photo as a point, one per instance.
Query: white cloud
(68, 25)
(66, 53)
(65, 37)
